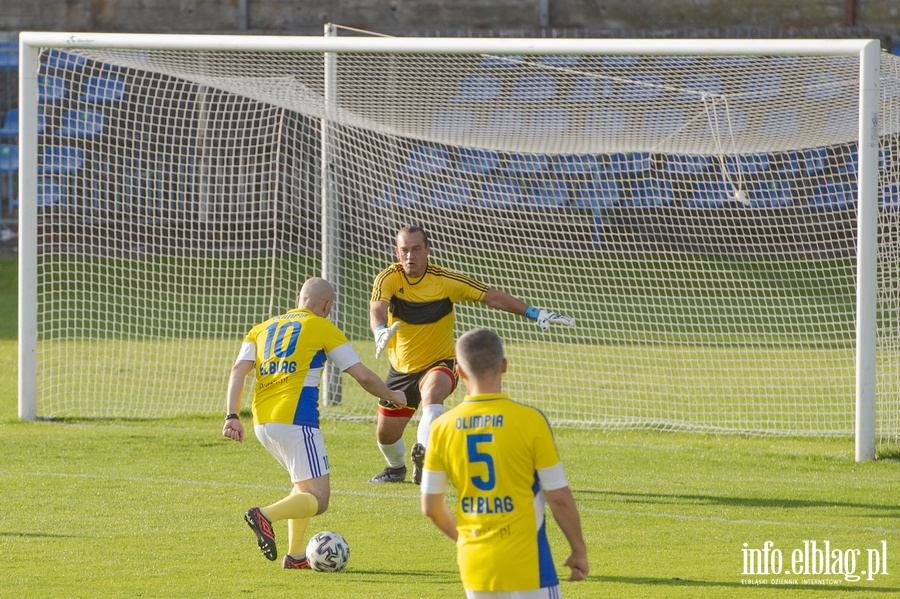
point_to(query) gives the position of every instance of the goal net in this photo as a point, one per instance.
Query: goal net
(696, 213)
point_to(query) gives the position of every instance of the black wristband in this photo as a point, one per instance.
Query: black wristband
(232, 417)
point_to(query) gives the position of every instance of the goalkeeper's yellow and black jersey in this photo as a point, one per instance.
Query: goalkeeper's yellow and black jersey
(424, 308)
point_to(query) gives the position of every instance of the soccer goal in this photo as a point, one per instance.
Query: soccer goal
(720, 216)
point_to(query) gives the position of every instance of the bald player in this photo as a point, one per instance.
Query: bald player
(287, 354)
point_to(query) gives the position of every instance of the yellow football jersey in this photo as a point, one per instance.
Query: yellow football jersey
(491, 448)
(290, 353)
(425, 309)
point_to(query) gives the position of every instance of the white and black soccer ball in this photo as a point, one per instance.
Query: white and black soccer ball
(327, 552)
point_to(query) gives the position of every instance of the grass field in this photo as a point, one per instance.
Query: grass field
(153, 508)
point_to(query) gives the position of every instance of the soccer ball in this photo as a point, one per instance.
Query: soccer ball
(327, 552)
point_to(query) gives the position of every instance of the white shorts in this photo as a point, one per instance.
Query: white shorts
(544, 593)
(300, 449)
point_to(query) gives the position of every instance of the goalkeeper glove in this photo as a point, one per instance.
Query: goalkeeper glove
(383, 334)
(544, 318)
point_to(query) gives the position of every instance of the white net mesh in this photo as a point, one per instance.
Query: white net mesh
(696, 215)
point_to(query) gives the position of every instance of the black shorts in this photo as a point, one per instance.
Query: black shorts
(409, 383)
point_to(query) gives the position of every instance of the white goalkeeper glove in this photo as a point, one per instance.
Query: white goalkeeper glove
(545, 318)
(383, 335)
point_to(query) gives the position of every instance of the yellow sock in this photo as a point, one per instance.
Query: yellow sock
(296, 505)
(296, 540)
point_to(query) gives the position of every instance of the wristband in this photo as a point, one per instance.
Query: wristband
(381, 326)
(232, 417)
(532, 313)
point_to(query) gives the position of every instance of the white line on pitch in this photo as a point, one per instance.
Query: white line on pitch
(416, 494)
(169, 481)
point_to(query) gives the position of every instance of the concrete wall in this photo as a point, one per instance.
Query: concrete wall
(403, 16)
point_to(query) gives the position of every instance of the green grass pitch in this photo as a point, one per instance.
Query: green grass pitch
(145, 508)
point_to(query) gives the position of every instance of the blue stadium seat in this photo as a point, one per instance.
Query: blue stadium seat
(761, 87)
(629, 163)
(519, 164)
(10, 123)
(725, 121)
(642, 87)
(499, 193)
(9, 158)
(606, 122)
(502, 61)
(686, 164)
(710, 194)
(60, 160)
(505, 121)
(49, 192)
(771, 193)
(534, 88)
(81, 123)
(575, 164)
(411, 191)
(733, 61)
(788, 164)
(451, 193)
(9, 55)
(890, 90)
(843, 122)
(60, 59)
(597, 193)
(784, 61)
(452, 121)
(697, 84)
(51, 89)
(648, 192)
(427, 159)
(748, 163)
(620, 62)
(674, 62)
(547, 121)
(890, 196)
(560, 61)
(479, 88)
(41, 120)
(834, 195)
(815, 161)
(847, 161)
(663, 122)
(588, 88)
(482, 162)
(541, 193)
(407, 192)
(104, 89)
(887, 157)
(781, 121)
(823, 86)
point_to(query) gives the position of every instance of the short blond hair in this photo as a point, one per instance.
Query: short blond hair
(480, 352)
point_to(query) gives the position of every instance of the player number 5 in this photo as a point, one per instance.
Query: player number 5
(472, 441)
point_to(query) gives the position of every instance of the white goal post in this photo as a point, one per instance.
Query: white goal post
(718, 215)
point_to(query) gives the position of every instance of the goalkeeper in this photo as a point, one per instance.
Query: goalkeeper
(411, 315)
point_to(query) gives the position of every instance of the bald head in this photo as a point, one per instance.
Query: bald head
(317, 296)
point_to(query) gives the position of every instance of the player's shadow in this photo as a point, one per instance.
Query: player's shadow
(37, 535)
(883, 511)
(711, 584)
